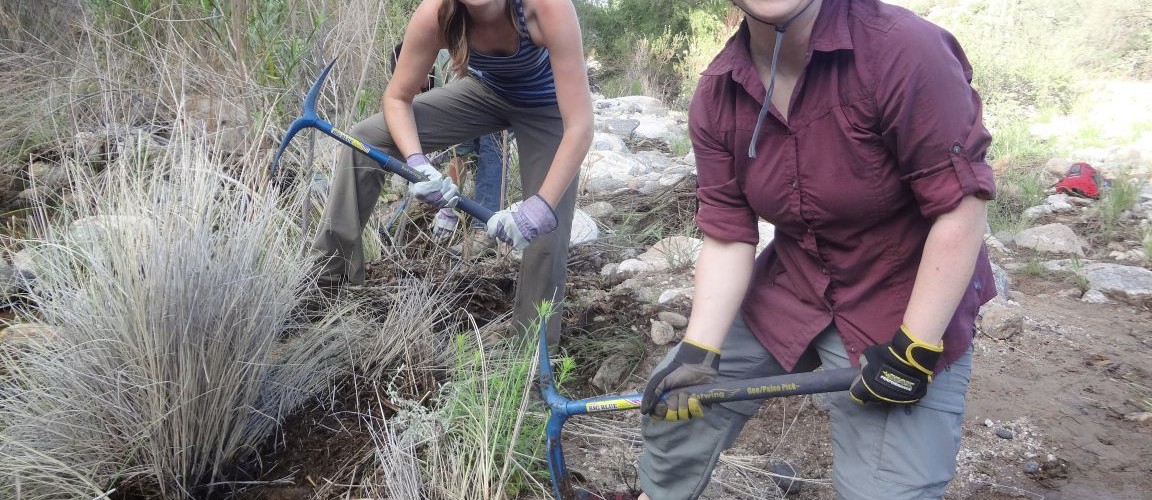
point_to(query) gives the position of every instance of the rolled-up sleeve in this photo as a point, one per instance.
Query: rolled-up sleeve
(722, 211)
(931, 118)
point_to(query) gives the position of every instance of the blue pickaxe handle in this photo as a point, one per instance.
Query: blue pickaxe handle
(311, 120)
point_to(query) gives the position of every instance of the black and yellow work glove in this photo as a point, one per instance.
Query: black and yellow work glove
(694, 364)
(897, 372)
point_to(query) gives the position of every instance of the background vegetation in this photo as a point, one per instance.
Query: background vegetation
(167, 111)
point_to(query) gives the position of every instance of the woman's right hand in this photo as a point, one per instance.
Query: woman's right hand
(439, 190)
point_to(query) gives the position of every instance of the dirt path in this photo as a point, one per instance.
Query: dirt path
(1045, 415)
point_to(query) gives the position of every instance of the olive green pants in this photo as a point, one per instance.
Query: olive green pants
(459, 111)
(878, 452)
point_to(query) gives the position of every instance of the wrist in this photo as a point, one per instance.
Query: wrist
(701, 345)
(691, 353)
(915, 352)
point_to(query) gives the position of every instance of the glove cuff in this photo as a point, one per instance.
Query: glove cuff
(915, 352)
(698, 354)
(417, 160)
(535, 217)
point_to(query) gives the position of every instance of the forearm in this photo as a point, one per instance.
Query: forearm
(566, 163)
(723, 272)
(946, 268)
(401, 125)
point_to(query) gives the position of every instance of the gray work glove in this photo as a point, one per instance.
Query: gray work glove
(439, 190)
(518, 227)
(444, 224)
(694, 364)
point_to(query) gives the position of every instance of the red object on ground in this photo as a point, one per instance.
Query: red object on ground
(1082, 180)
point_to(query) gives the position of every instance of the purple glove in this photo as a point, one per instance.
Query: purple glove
(518, 228)
(444, 224)
(438, 191)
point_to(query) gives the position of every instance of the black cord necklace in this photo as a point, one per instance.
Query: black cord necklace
(780, 28)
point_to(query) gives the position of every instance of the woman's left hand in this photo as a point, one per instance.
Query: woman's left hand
(533, 218)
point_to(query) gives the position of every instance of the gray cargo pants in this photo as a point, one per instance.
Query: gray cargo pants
(459, 111)
(890, 453)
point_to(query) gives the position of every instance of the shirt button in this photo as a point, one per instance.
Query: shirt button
(794, 184)
(824, 270)
(851, 349)
(956, 149)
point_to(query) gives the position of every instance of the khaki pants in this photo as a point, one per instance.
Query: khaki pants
(462, 110)
(878, 452)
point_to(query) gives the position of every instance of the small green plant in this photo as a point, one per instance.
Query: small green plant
(493, 441)
(681, 146)
(1122, 196)
(1146, 242)
(1143, 395)
(1034, 267)
(1017, 189)
(1078, 277)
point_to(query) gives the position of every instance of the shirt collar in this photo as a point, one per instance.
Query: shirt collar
(829, 33)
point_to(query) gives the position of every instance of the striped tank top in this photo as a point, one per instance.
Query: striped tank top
(524, 78)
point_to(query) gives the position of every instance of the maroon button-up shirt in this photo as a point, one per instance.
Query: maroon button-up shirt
(884, 134)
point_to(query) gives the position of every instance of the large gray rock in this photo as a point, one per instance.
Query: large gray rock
(1051, 238)
(1126, 283)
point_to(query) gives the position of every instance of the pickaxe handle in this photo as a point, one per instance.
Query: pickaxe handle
(561, 408)
(310, 119)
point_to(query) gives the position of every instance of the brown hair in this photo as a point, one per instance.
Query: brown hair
(453, 19)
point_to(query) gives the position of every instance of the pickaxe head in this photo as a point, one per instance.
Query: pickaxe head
(307, 119)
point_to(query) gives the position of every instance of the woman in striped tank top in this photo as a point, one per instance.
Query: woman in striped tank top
(522, 68)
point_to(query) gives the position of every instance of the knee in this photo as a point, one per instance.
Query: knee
(374, 132)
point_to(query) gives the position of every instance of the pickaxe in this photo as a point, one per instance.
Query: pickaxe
(561, 408)
(311, 120)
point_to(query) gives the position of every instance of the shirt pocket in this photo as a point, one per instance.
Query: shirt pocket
(864, 151)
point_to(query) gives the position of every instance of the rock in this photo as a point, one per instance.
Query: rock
(1003, 282)
(1051, 238)
(1005, 433)
(1143, 416)
(1095, 297)
(224, 122)
(1031, 467)
(52, 176)
(662, 333)
(24, 333)
(599, 210)
(677, 294)
(1000, 321)
(636, 266)
(602, 141)
(766, 232)
(617, 126)
(784, 475)
(584, 228)
(677, 320)
(603, 185)
(611, 372)
(1128, 283)
(609, 269)
(673, 252)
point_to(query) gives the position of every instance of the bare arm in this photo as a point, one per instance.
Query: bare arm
(723, 272)
(422, 40)
(946, 269)
(559, 31)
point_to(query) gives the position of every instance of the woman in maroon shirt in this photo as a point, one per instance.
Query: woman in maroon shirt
(851, 125)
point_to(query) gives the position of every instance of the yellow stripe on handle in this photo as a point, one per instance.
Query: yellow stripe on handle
(612, 404)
